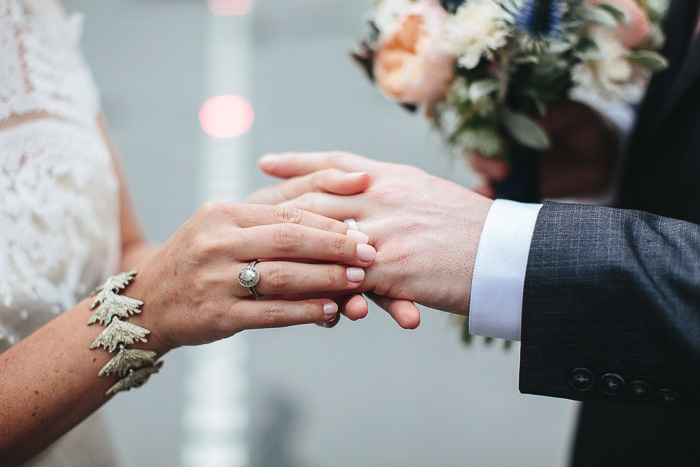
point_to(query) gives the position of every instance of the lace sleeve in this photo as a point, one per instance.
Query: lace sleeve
(59, 203)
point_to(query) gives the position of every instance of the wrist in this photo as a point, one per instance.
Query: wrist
(478, 213)
(141, 289)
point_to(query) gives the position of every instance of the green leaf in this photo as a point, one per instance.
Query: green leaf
(478, 138)
(482, 88)
(649, 60)
(525, 131)
(539, 104)
(589, 50)
(601, 16)
(620, 15)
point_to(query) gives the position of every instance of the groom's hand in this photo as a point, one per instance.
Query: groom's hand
(580, 162)
(426, 230)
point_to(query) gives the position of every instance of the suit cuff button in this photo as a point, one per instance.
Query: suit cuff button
(581, 379)
(612, 384)
(639, 391)
(668, 397)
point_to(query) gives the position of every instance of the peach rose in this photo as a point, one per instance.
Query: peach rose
(639, 28)
(410, 65)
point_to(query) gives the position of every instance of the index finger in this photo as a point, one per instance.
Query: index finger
(293, 164)
(251, 215)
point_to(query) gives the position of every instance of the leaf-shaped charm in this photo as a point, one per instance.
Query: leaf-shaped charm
(120, 332)
(128, 359)
(115, 305)
(112, 284)
(134, 379)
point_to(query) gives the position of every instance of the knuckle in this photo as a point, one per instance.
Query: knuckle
(287, 215)
(270, 315)
(332, 277)
(286, 236)
(335, 156)
(322, 177)
(212, 208)
(340, 247)
(305, 202)
(278, 278)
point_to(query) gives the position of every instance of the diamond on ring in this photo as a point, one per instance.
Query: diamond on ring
(249, 278)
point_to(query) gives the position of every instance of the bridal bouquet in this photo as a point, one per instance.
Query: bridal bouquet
(483, 70)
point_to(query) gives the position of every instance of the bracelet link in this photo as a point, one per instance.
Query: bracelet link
(134, 366)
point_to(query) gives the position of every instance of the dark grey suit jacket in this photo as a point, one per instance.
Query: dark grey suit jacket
(611, 307)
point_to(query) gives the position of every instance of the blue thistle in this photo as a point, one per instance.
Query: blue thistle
(540, 18)
(451, 5)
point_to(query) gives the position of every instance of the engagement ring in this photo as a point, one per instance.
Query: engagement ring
(249, 278)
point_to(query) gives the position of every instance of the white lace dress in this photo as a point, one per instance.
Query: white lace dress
(59, 204)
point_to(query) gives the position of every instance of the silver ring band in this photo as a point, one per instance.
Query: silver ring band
(352, 224)
(249, 278)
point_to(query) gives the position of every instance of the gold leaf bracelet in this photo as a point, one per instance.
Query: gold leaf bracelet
(134, 366)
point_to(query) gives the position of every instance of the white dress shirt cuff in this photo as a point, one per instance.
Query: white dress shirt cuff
(499, 270)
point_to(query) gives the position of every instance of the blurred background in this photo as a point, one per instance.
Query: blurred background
(362, 394)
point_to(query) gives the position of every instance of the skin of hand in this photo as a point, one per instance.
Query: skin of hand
(426, 230)
(190, 285)
(580, 161)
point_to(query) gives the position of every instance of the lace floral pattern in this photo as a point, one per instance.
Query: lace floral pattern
(41, 67)
(59, 204)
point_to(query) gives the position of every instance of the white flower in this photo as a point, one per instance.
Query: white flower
(611, 75)
(477, 27)
(387, 12)
(660, 6)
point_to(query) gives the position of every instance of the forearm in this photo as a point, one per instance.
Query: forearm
(50, 381)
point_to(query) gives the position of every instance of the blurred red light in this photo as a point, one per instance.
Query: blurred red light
(230, 7)
(226, 116)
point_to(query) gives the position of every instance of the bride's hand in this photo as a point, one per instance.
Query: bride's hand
(190, 285)
(426, 230)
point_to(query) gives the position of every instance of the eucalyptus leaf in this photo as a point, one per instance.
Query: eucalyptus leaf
(482, 88)
(601, 16)
(620, 15)
(650, 60)
(525, 131)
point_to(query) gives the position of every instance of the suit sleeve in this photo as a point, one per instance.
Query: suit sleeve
(611, 307)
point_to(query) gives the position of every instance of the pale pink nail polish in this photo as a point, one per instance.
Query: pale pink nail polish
(354, 174)
(330, 309)
(357, 235)
(355, 274)
(366, 252)
(270, 159)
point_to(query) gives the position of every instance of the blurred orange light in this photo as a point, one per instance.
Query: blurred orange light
(226, 116)
(230, 7)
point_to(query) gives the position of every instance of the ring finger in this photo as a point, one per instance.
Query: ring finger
(283, 277)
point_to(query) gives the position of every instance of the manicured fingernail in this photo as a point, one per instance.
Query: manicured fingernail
(355, 274)
(366, 252)
(354, 174)
(269, 158)
(357, 235)
(330, 309)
